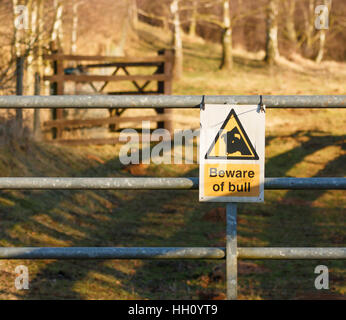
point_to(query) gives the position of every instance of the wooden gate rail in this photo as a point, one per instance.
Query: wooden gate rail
(163, 75)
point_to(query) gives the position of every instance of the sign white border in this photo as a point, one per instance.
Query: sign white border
(252, 119)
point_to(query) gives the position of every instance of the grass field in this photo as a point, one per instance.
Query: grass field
(299, 143)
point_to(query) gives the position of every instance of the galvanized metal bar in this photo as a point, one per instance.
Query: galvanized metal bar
(325, 183)
(84, 253)
(99, 183)
(231, 251)
(111, 253)
(132, 183)
(292, 253)
(170, 101)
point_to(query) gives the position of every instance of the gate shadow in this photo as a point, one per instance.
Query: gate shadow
(120, 220)
(118, 223)
(298, 220)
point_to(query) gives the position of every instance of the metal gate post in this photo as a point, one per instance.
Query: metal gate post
(231, 251)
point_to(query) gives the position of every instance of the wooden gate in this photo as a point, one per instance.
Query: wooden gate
(81, 69)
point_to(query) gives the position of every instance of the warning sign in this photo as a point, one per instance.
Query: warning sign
(232, 153)
(231, 141)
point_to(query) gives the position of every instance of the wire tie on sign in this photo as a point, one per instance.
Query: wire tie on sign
(202, 104)
(261, 106)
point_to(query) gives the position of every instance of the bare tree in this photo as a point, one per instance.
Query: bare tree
(309, 16)
(322, 32)
(227, 59)
(290, 7)
(272, 48)
(193, 22)
(177, 39)
(16, 36)
(31, 43)
(19, 63)
(74, 29)
(40, 37)
(27, 38)
(172, 18)
(57, 30)
(225, 24)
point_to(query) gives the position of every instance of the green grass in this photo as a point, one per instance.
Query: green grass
(300, 143)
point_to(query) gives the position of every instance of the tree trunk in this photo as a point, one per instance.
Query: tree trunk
(177, 40)
(57, 32)
(74, 30)
(39, 28)
(272, 48)
(227, 59)
(323, 31)
(19, 69)
(32, 46)
(193, 23)
(309, 26)
(16, 40)
(40, 86)
(290, 28)
(241, 21)
(322, 42)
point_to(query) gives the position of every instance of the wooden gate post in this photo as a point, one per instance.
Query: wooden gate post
(58, 88)
(37, 120)
(165, 87)
(19, 88)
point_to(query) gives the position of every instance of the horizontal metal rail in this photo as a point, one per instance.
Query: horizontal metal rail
(169, 101)
(43, 183)
(111, 253)
(85, 253)
(162, 101)
(292, 253)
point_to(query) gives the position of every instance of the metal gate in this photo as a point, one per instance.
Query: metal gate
(231, 252)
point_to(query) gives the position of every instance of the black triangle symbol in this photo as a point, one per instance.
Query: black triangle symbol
(233, 144)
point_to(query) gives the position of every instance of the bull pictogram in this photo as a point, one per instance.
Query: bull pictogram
(234, 142)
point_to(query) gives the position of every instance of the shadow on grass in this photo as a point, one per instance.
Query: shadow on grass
(295, 221)
(113, 218)
(146, 218)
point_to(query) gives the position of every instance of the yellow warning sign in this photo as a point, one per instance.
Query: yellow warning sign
(232, 142)
(235, 180)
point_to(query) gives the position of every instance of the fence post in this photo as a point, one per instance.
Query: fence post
(37, 120)
(58, 88)
(165, 87)
(19, 88)
(231, 251)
